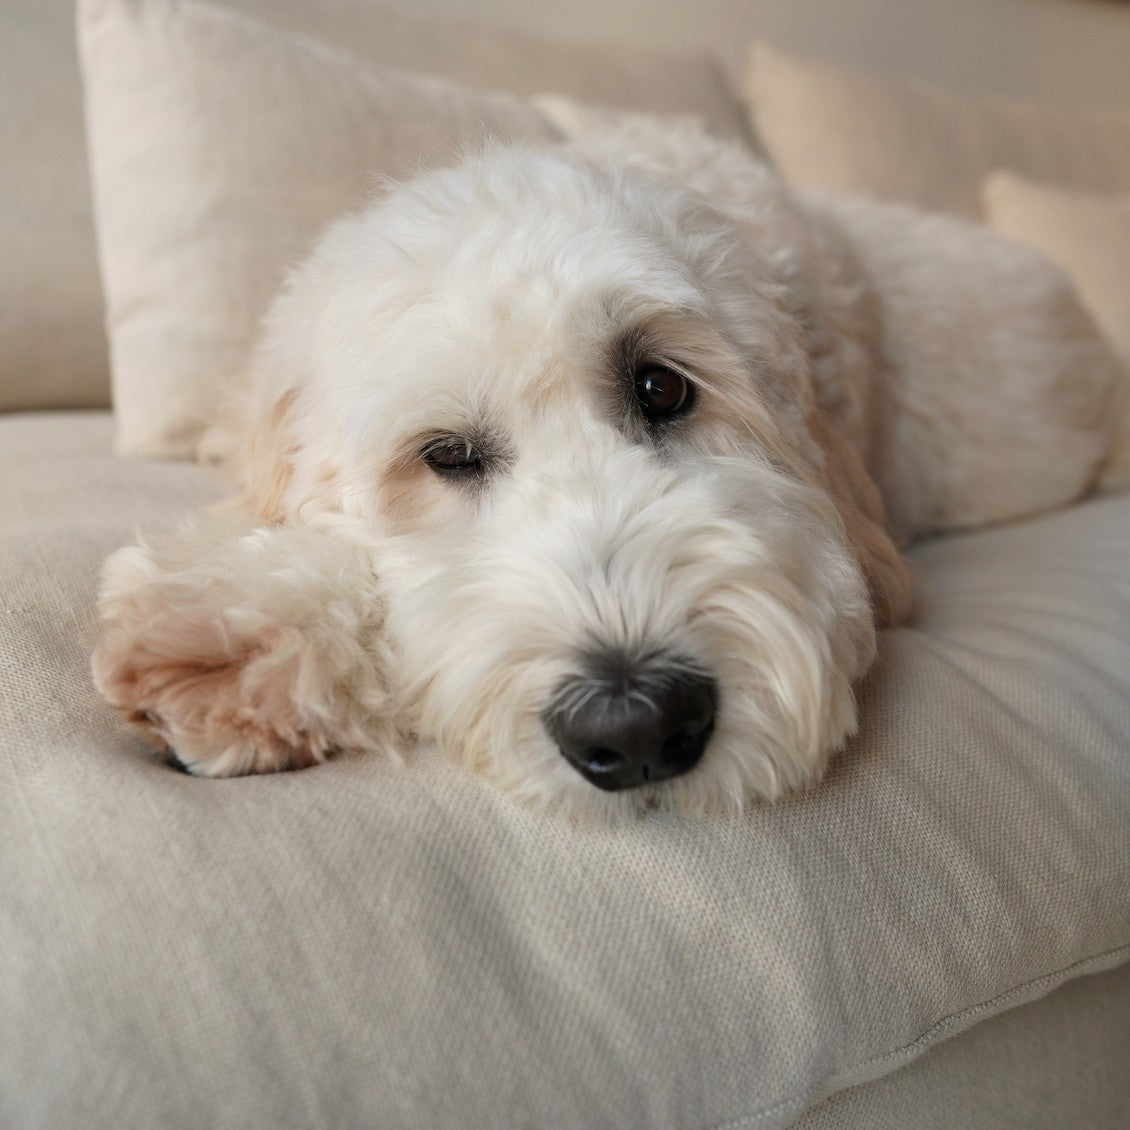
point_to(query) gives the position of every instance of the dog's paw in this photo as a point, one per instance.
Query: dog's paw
(238, 656)
(221, 698)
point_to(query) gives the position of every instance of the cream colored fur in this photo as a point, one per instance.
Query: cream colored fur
(864, 375)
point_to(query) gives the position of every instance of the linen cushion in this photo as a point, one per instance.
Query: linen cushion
(220, 147)
(1088, 234)
(366, 945)
(860, 133)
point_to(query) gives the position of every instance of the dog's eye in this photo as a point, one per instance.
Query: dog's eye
(453, 455)
(662, 393)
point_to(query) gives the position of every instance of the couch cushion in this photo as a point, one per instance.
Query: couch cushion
(221, 145)
(219, 149)
(1054, 1063)
(1088, 234)
(366, 945)
(859, 133)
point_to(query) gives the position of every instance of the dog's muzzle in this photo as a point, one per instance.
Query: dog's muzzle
(621, 728)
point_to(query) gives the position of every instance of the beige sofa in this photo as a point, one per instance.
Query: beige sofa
(934, 937)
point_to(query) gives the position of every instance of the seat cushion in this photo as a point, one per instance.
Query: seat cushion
(362, 944)
(1056, 1062)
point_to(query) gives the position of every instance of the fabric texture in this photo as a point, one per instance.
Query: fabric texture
(860, 133)
(363, 944)
(1058, 1062)
(1088, 235)
(220, 147)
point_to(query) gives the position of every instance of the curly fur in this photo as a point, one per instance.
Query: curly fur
(864, 375)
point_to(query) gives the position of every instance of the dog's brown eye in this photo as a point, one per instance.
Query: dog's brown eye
(453, 455)
(662, 393)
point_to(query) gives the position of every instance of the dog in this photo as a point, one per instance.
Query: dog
(593, 463)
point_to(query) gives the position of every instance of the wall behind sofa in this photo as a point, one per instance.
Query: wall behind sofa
(1075, 50)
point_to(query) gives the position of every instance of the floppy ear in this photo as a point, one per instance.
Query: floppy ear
(255, 446)
(861, 507)
(268, 459)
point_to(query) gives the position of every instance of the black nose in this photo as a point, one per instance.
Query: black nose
(621, 726)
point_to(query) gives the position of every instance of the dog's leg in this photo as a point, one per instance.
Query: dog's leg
(246, 649)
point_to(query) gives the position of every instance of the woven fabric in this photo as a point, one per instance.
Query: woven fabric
(366, 945)
(1057, 1062)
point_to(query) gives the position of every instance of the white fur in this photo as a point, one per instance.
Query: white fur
(836, 348)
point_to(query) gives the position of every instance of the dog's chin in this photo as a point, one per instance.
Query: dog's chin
(767, 740)
(739, 767)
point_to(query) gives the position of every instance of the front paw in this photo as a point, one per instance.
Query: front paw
(233, 661)
(219, 696)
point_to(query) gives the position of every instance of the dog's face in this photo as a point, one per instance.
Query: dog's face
(575, 411)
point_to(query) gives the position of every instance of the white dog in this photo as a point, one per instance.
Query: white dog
(590, 465)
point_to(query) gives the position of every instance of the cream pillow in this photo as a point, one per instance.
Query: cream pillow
(220, 145)
(1088, 234)
(857, 133)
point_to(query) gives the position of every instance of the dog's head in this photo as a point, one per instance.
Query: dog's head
(625, 555)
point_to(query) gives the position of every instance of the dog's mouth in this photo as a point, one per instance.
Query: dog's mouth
(622, 728)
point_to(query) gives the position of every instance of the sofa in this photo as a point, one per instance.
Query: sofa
(936, 935)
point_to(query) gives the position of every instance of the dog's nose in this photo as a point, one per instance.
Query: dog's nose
(627, 731)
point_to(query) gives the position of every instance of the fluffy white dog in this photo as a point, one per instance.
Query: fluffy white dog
(590, 464)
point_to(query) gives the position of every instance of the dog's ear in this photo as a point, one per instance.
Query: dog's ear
(861, 507)
(269, 462)
(256, 447)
